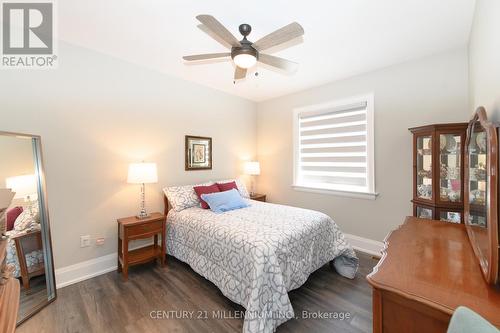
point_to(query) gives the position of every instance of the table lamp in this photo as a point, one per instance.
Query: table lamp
(25, 188)
(142, 173)
(252, 168)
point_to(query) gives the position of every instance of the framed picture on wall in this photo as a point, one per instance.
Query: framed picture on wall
(198, 153)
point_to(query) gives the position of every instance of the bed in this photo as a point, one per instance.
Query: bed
(257, 254)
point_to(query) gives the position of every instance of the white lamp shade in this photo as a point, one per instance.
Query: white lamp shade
(252, 168)
(24, 185)
(139, 173)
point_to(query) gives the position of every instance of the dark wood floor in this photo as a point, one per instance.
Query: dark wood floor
(107, 304)
(36, 295)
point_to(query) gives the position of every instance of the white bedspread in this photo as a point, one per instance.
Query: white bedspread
(257, 254)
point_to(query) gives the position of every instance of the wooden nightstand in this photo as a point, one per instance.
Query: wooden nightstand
(132, 228)
(258, 197)
(35, 270)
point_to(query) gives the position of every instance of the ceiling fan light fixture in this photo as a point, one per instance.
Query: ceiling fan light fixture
(245, 53)
(245, 60)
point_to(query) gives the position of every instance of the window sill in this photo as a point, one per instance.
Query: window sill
(345, 194)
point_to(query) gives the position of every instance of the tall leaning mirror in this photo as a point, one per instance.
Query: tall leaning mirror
(25, 224)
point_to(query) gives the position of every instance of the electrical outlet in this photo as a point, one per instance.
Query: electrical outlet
(99, 241)
(85, 241)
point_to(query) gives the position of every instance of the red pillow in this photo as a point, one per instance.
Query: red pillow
(205, 190)
(227, 186)
(12, 215)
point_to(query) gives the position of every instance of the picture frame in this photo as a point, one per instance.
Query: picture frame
(198, 153)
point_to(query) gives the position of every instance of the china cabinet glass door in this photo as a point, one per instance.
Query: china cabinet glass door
(424, 167)
(449, 216)
(424, 212)
(450, 160)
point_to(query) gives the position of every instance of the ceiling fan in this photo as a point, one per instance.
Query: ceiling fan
(244, 53)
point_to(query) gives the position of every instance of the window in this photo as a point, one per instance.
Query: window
(334, 148)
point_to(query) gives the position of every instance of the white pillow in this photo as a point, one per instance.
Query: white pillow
(182, 197)
(240, 184)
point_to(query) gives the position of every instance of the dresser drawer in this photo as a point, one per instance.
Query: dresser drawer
(144, 229)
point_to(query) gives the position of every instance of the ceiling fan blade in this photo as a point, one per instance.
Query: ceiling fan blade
(278, 62)
(240, 73)
(280, 36)
(209, 32)
(206, 56)
(217, 28)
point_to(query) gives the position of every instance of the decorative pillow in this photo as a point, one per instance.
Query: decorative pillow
(225, 201)
(24, 220)
(205, 190)
(239, 184)
(12, 215)
(227, 186)
(182, 197)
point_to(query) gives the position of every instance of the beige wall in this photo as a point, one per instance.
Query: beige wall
(96, 114)
(430, 90)
(484, 58)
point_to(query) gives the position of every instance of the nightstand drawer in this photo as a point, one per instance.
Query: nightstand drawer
(144, 229)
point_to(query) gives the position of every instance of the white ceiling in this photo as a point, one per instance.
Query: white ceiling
(342, 37)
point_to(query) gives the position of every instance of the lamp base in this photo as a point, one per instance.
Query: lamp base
(143, 215)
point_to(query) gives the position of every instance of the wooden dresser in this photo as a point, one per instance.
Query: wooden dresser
(428, 269)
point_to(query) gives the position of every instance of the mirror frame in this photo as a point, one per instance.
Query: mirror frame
(36, 142)
(488, 262)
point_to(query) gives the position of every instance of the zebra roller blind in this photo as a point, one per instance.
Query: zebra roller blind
(334, 147)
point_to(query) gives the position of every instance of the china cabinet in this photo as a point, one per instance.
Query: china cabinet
(438, 171)
(481, 193)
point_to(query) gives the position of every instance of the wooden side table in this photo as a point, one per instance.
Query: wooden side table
(258, 197)
(133, 228)
(35, 270)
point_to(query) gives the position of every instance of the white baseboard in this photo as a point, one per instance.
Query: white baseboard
(91, 268)
(102, 265)
(365, 245)
(85, 270)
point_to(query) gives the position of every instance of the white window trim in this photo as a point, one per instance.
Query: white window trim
(346, 194)
(370, 131)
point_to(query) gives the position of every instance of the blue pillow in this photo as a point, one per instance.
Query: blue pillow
(220, 202)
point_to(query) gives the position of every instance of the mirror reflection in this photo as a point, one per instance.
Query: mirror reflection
(477, 196)
(478, 181)
(25, 223)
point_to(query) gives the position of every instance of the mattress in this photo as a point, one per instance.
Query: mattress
(257, 254)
